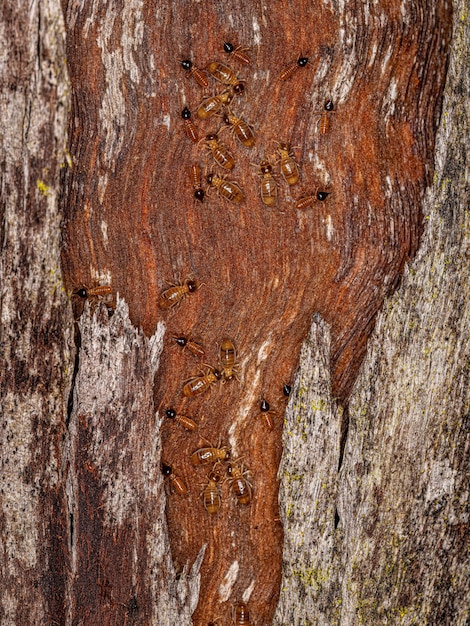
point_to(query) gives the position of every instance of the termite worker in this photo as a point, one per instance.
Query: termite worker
(183, 420)
(175, 481)
(241, 487)
(325, 120)
(220, 152)
(203, 456)
(211, 496)
(225, 74)
(226, 188)
(242, 615)
(238, 53)
(213, 104)
(200, 384)
(289, 168)
(194, 71)
(176, 293)
(241, 129)
(93, 292)
(268, 187)
(227, 359)
(196, 179)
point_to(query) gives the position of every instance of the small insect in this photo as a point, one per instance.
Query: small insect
(286, 389)
(267, 414)
(203, 456)
(226, 188)
(192, 346)
(176, 482)
(268, 186)
(211, 494)
(200, 384)
(237, 53)
(183, 420)
(306, 201)
(189, 128)
(176, 293)
(325, 119)
(241, 487)
(289, 168)
(242, 129)
(293, 67)
(196, 180)
(242, 615)
(192, 70)
(225, 74)
(93, 292)
(220, 152)
(227, 359)
(213, 104)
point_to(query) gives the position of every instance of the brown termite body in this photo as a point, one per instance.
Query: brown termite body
(211, 496)
(289, 168)
(226, 75)
(267, 414)
(199, 384)
(220, 152)
(238, 53)
(268, 187)
(194, 71)
(242, 615)
(183, 420)
(325, 119)
(189, 127)
(187, 343)
(214, 104)
(240, 486)
(203, 456)
(293, 68)
(242, 130)
(100, 291)
(308, 201)
(227, 359)
(196, 179)
(175, 481)
(226, 188)
(176, 293)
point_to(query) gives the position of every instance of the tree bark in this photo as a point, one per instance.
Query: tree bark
(374, 471)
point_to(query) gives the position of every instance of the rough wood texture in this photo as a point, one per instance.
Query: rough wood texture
(387, 542)
(121, 568)
(133, 222)
(36, 342)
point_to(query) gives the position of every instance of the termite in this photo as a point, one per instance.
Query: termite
(289, 168)
(203, 456)
(192, 70)
(241, 129)
(93, 292)
(183, 420)
(211, 496)
(194, 347)
(213, 104)
(189, 127)
(268, 187)
(306, 201)
(220, 152)
(195, 172)
(238, 53)
(225, 74)
(267, 414)
(241, 487)
(226, 188)
(176, 482)
(242, 615)
(200, 384)
(176, 293)
(325, 120)
(227, 359)
(293, 67)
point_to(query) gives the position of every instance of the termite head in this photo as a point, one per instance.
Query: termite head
(166, 469)
(329, 106)
(322, 195)
(264, 406)
(81, 293)
(186, 64)
(170, 413)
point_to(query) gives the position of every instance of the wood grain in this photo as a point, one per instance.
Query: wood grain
(131, 220)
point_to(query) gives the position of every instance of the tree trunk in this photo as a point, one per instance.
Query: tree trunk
(374, 469)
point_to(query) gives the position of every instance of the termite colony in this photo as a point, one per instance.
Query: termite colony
(224, 478)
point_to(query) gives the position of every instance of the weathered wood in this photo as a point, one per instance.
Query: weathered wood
(133, 222)
(386, 541)
(36, 341)
(121, 568)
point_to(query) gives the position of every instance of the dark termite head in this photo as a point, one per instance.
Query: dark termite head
(302, 61)
(166, 469)
(329, 106)
(181, 341)
(191, 285)
(217, 374)
(170, 413)
(239, 88)
(264, 406)
(212, 137)
(81, 293)
(265, 167)
(186, 113)
(322, 195)
(228, 47)
(186, 64)
(199, 195)
(286, 389)
(209, 178)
